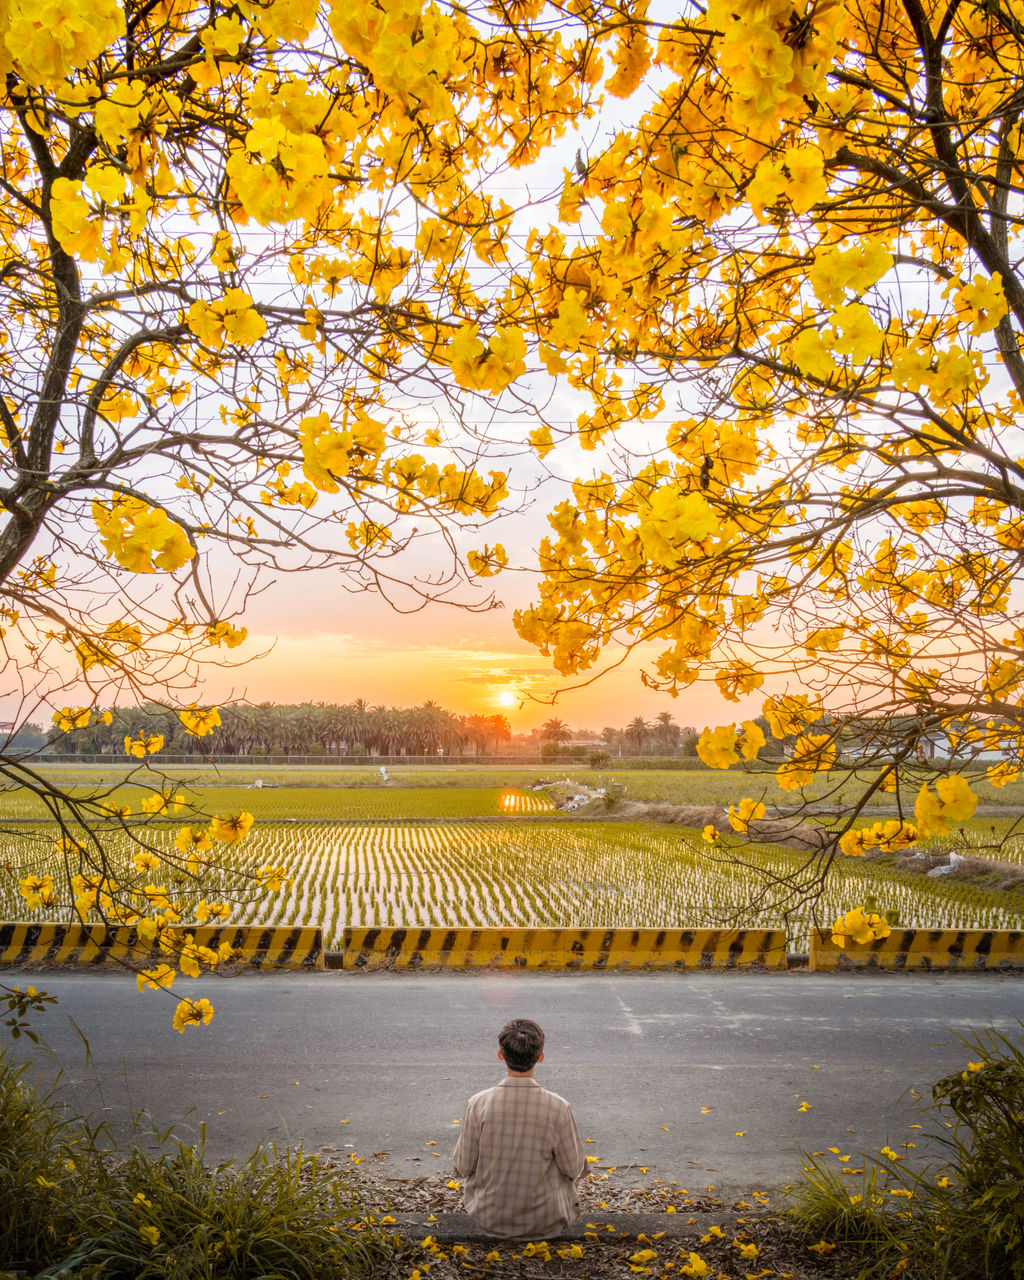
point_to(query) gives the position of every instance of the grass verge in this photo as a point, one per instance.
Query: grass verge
(964, 1221)
(72, 1208)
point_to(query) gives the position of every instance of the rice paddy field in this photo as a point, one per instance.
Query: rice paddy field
(316, 804)
(696, 786)
(481, 854)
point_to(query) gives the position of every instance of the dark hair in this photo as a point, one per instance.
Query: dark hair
(521, 1042)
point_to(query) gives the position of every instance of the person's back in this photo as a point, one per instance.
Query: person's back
(519, 1150)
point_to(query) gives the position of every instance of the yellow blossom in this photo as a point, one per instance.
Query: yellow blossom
(748, 811)
(192, 1013)
(717, 747)
(199, 723)
(230, 828)
(159, 979)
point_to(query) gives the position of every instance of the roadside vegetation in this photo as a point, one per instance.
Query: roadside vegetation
(963, 1221)
(73, 1205)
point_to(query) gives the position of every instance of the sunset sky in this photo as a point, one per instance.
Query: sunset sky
(327, 645)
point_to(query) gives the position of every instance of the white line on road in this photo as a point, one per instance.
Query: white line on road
(633, 1023)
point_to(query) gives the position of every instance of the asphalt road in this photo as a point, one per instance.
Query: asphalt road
(699, 1077)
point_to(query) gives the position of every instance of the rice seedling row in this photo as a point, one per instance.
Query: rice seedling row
(575, 874)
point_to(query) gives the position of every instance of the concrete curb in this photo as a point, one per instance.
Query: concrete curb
(413, 948)
(256, 946)
(924, 950)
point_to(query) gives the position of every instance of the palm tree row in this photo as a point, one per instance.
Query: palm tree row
(308, 728)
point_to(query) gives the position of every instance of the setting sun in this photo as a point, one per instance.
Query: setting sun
(507, 699)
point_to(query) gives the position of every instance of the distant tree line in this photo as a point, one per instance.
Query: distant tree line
(307, 728)
(358, 729)
(660, 737)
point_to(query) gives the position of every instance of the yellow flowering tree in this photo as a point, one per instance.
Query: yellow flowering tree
(786, 292)
(237, 333)
(260, 291)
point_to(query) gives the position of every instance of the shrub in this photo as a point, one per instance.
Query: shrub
(39, 1155)
(71, 1208)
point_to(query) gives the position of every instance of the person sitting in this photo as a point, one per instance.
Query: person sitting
(519, 1150)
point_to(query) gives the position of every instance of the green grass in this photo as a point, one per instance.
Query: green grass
(563, 873)
(836, 789)
(316, 803)
(156, 1209)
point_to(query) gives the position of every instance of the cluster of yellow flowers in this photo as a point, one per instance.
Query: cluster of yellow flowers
(140, 537)
(951, 801)
(886, 836)
(859, 926)
(232, 318)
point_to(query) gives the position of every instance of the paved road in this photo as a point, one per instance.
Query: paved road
(289, 1057)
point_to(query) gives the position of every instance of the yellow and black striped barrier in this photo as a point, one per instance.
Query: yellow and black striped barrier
(922, 949)
(257, 946)
(414, 948)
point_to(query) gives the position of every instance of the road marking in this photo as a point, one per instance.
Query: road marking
(633, 1024)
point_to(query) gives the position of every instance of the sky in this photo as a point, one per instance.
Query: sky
(319, 643)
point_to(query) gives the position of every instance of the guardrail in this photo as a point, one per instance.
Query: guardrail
(922, 949)
(412, 948)
(30, 944)
(256, 946)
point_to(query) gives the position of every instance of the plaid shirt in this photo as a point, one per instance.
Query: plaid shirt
(520, 1154)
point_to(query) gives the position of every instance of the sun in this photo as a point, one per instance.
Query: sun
(507, 699)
